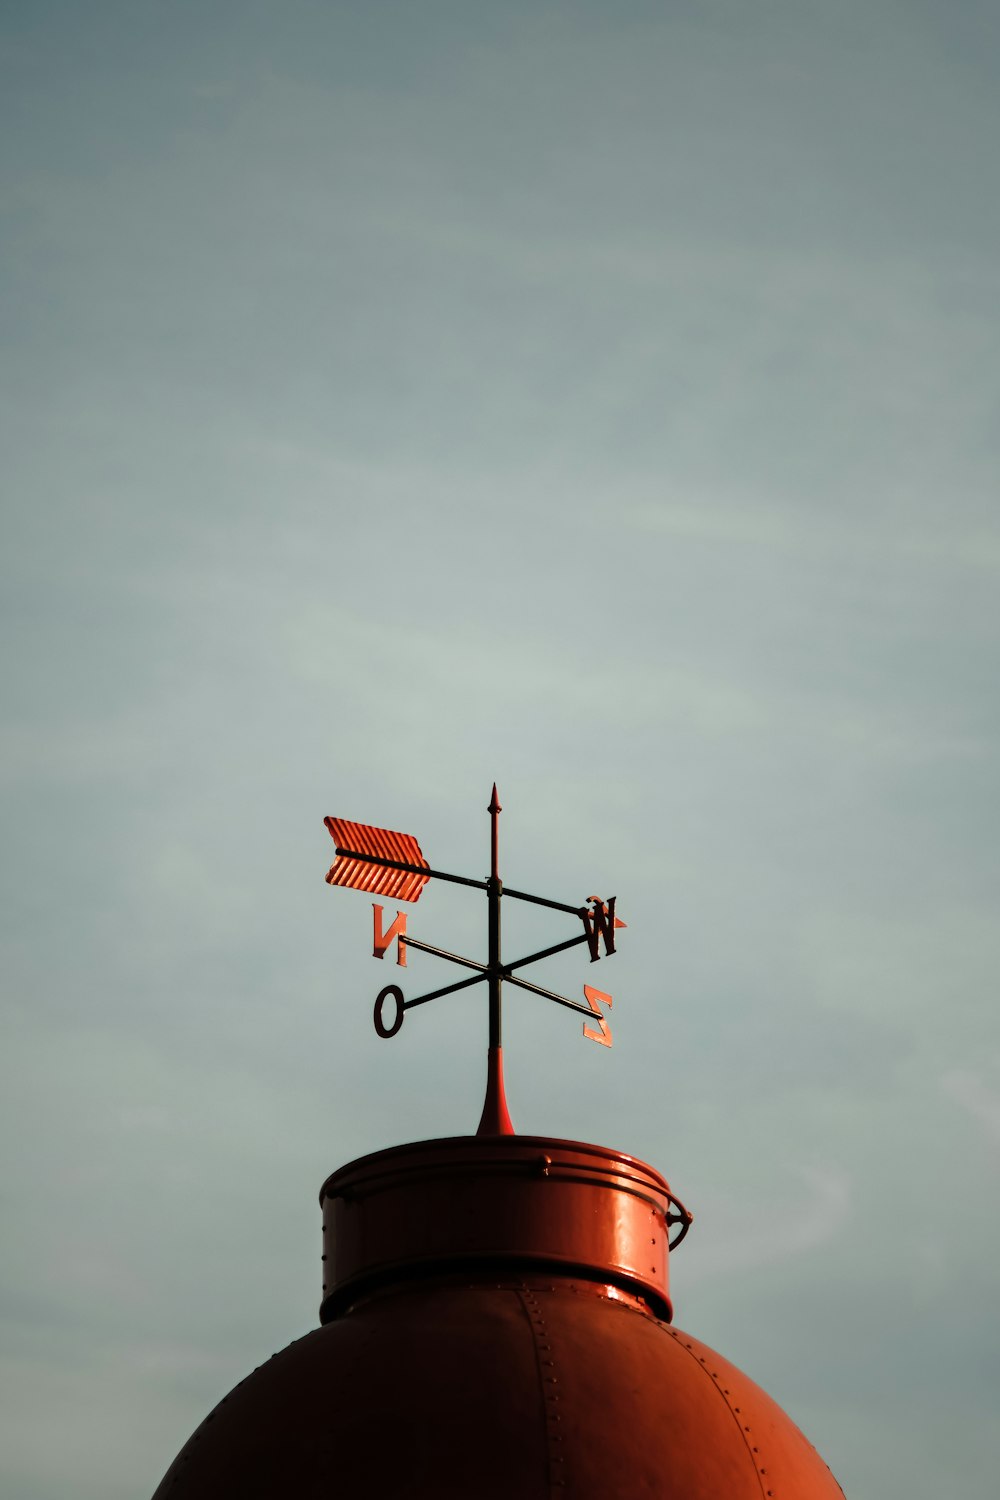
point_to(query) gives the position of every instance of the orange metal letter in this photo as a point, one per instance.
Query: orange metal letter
(595, 999)
(383, 939)
(600, 922)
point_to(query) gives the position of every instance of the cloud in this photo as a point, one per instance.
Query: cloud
(770, 1233)
(977, 1098)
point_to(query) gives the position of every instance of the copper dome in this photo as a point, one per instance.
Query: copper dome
(496, 1324)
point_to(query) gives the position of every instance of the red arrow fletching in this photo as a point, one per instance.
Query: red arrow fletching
(379, 844)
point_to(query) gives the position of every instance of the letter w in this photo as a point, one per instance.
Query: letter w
(383, 939)
(600, 922)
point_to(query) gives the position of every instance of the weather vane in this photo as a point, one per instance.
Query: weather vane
(391, 864)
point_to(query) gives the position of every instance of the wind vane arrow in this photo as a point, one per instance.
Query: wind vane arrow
(376, 860)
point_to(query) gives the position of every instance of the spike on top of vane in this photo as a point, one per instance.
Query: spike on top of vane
(494, 810)
(377, 860)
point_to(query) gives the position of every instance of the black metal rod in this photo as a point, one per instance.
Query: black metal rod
(454, 958)
(495, 976)
(574, 911)
(494, 890)
(533, 958)
(536, 989)
(448, 989)
(399, 864)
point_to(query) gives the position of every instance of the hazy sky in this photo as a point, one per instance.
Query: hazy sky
(598, 398)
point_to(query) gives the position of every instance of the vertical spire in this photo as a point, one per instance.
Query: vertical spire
(495, 1118)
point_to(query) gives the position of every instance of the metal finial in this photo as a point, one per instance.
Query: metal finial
(494, 810)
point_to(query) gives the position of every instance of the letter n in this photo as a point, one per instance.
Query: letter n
(383, 939)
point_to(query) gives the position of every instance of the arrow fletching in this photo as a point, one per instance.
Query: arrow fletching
(366, 857)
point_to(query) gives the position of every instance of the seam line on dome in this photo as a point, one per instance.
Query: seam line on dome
(701, 1363)
(548, 1382)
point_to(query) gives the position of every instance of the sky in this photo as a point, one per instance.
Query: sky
(601, 400)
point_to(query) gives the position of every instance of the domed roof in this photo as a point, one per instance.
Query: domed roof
(521, 1350)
